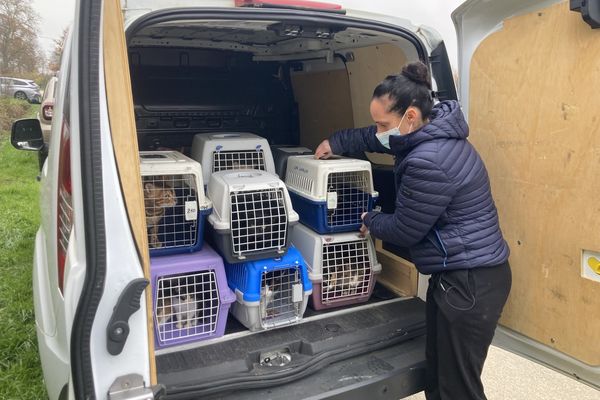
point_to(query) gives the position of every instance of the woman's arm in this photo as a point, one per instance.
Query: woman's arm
(423, 196)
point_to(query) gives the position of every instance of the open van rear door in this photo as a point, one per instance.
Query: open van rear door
(528, 76)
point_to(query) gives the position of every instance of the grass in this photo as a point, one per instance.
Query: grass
(20, 370)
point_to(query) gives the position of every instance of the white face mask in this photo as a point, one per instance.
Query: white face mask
(384, 137)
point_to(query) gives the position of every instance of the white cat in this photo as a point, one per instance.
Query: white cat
(266, 296)
(185, 307)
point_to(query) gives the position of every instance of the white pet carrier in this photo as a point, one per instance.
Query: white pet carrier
(174, 200)
(236, 150)
(330, 195)
(252, 216)
(342, 266)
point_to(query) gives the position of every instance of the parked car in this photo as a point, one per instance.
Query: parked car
(44, 115)
(292, 74)
(22, 89)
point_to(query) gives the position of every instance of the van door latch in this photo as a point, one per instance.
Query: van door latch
(118, 326)
(132, 387)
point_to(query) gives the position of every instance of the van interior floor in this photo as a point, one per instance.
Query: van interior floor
(375, 338)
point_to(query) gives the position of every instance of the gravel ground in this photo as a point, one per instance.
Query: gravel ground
(507, 376)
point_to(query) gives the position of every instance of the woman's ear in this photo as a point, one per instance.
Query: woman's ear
(413, 114)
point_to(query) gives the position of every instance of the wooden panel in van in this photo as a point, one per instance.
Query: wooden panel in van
(536, 124)
(372, 64)
(324, 105)
(122, 125)
(397, 274)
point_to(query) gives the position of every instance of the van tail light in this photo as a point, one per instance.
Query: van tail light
(47, 112)
(302, 4)
(64, 213)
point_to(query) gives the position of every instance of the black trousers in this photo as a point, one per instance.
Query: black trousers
(463, 309)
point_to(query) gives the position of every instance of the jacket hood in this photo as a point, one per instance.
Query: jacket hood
(446, 121)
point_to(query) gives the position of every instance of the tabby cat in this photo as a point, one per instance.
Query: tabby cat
(343, 281)
(158, 195)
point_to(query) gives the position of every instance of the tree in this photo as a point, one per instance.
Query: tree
(54, 62)
(19, 49)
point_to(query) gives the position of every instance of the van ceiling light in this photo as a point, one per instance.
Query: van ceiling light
(301, 4)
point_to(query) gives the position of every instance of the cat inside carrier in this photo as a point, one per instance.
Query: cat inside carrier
(174, 202)
(191, 297)
(271, 292)
(252, 217)
(227, 151)
(330, 195)
(342, 266)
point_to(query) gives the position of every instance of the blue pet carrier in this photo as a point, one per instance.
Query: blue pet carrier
(330, 195)
(270, 293)
(174, 202)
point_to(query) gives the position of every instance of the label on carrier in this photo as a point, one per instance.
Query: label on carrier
(331, 200)
(297, 293)
(191, 211)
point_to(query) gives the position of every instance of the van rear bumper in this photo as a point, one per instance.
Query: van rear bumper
(376, 348)
(388, 374)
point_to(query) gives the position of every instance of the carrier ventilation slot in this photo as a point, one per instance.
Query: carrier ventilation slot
(300, 182)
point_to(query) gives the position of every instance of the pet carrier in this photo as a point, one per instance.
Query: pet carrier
(330, 195)
(175, 205)
(281, 153)
(226, 151)
(252, 215)
(342, 266)
(270, 293)
(191, 298)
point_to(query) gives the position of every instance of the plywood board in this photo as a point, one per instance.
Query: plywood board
(125, 146)
(371, 66)
(397, 274)
(534, 119)
(324, 104)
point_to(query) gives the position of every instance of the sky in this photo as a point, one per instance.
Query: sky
(58, 14)
(55, 16)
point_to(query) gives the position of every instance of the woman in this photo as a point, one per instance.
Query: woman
(446, 216)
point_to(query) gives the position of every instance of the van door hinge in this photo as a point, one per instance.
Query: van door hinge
(589, 9)
(132, 387)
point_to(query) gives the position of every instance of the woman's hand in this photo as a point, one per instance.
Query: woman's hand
(324, 150)
(363, 228)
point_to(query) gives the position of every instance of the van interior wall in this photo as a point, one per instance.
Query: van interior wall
(536, 127)
(371, 66)
(180, 92)
(324, 101)
(338, 97)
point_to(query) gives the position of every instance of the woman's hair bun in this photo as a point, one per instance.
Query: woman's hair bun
(418, 73)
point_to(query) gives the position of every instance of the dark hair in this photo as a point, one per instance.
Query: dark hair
(411, 87)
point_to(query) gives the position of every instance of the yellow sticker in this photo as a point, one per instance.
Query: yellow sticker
(594, 264)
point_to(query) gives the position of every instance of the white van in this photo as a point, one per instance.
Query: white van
(293, 71)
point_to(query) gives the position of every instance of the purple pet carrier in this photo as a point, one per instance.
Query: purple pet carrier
(191, 298)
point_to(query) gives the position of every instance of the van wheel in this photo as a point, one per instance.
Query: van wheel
(20, 96)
